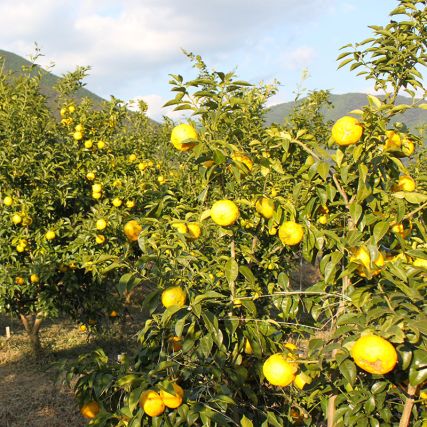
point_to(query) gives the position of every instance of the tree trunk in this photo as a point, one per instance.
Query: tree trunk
(32, 325)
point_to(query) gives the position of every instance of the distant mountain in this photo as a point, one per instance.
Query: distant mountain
(15, 63)
(343, 104)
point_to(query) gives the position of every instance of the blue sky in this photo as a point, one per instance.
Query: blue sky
(132, 45)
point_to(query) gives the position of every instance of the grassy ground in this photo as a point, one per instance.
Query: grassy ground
(30, 395)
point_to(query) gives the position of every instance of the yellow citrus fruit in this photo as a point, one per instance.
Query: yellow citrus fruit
(100, 239)
(88, 144)
(82, 328)
(71, 108)
(408, 147)
(170, 400)
(393, 141)
(90, 176)
(96, 195)
(420, 262)
(347, 131)
(405, 183)
(194, 230)
(265, 207)
(184, 137)
(248, 348)
(34, 278)
(8, 201)
(224, 212)
(132, 229)
(117, 202)
(101, 224)
(176, 343)
(63, 111)
(161, 179)
(101, 145)
(173, 295)
(19, 280)
(16, 219)
(152, 404)
(361, 256)
(78, 135)
(278, 370)
(130, 204)
(243, 158)
(96, 188)
(323, 219)
(50, 235)
(291, 233)
(114, 314)
(374, 354)
(180, 227)
(20, 248)
(132, 157)
(90, 410)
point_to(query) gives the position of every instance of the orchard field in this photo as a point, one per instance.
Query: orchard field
(216, 271)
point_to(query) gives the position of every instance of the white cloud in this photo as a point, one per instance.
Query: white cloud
(298, 58)
(135, 41)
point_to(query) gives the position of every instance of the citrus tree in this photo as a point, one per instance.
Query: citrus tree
(70, 180)
(234, 332)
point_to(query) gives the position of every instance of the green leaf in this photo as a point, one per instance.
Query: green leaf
(380, 230)
(348, 370)
(355, 212)
(247, 273)
(415, 198)
(246, 422)
(231, 270)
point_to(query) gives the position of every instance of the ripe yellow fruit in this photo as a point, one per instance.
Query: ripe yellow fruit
(132, 157)
(82, 328)
(79, 128)
(100, 239)
(347, 131)
(393, 141)
(243, 158)
(173, 295)
(408, 147)
(63, 111)
(161, 179)
(100, 145)
(114, 314)
(8, 201)
(16, 219)
(130, 204)
(194, 230)
(170, 400)
(19, 280)
(237, 302)
(152, 404)
(117, 202)
(248, 348)
(291, 233)
(420, 262)
(405, 183)
(374, 354)
(90, 410)
(78, 136)
(96, 195)
(34, 278)
(323, 219)
(278, 370)
(180, 227)
(20, 248)
(96, 188)
(132, 229)
(101, 224)
(88, 143)
(224, 212)
(90, 176)
(71, 108)
(50, 235)
(361, 256)
(265, 207)
(184, 137)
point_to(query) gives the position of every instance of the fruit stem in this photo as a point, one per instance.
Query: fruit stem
(407, 409)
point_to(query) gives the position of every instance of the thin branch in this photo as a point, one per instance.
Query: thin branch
(412, 213)
(407, 409)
